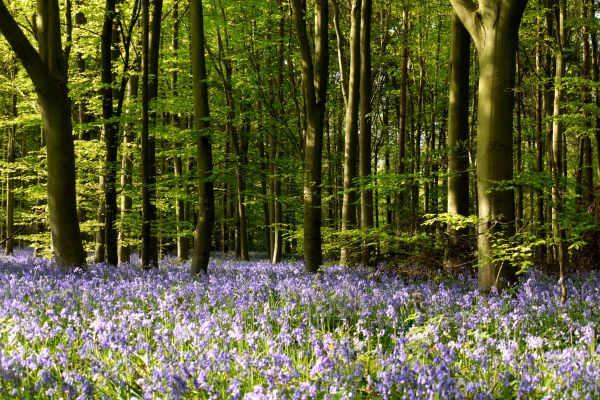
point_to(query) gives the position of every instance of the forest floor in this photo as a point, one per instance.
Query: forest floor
(256, 330)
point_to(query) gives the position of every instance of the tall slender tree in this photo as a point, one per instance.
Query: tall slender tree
(180, 199)
(206, 211)
(366, 94)
(49, 73)
(494, 27)
(151, 15)
(458, 136)
(402, 110)
(110, 133)
(10, 194)
(314, 85)
(350, 197)
(556, 148)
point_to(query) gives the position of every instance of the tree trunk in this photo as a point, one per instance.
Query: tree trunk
(366, 90)
(146, 251)
(415, 145)
(150, 47)
(206, 209)
(277, 215)
(556, 161)
(433, 123)
(124, 249)
(237, 140)
(48, 71)
(180, 199)
(548, 103)
(275, 152)
(264, 191)
(387, 156)
(10, 195)
(587, 174)
(402, 115)
(83, 115)
(519, 146)
(540, 215)
(494, 27)
(100, 248)
(314, 84)
(596, 77)
(340, 51)
(182, 240)
(241, 209)
(351, 131)
(111, 134)
(458, 139)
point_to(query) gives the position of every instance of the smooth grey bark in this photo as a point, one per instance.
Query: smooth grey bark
(556, 151)
(494, 27)
(206, 211)
(275, 153)
(387, 160)
(238, 137)
(99, 250)
(585, 173)
(180, 199)
(182, 239)
(49, 74)
(148, 242)
(547, 63)
(124, 249)
(276, 218)
(366, 94)
(314, 85)
(402, 107)
(350, 196)
(540, 215)
(264, 191)
(458, 137)
(10, 194)
(519, 206)
(343, 66)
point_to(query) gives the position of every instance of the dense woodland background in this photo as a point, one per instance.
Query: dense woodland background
(389, 146)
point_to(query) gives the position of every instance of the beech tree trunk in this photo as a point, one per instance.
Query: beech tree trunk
(343, 66)
(180, 199)
(402, 107)
(366, 94)
(48, 72)
(586, 173)
(494, 27)
(111, 140)
(238, 140)
(206, 210)
(150, 46)
(10, 195)
(124, 249)
(596, 76)
(314, 85)
(458, 138)
(351, 131)
(275, 152)
(556, 159)
(540, 215)
(264, 191)
(99, 250)
(276, 220)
